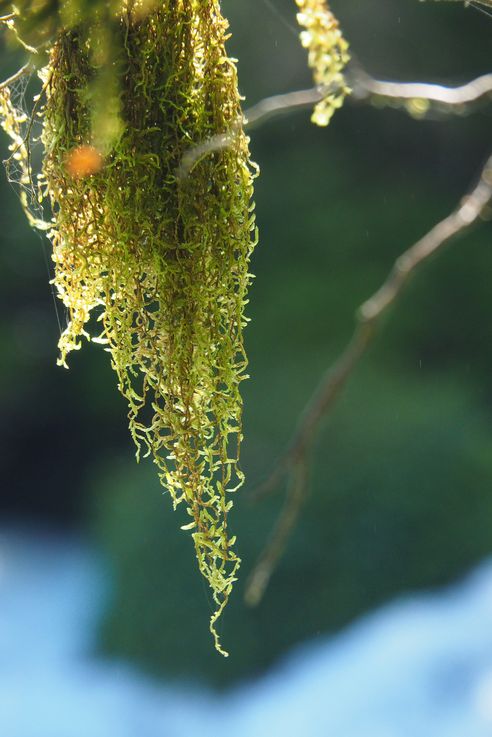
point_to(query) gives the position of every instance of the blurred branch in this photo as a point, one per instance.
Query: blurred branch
(294, 463)
(281, 104)
(18, 74)
(364, 89)
(267, 108)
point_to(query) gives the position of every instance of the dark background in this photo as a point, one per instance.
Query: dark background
(401, 495)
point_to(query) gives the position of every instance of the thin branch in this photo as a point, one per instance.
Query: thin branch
(295, 461)
(18, 74)
(286, 103)
(259, 113)
(364, 88)
(267, 562)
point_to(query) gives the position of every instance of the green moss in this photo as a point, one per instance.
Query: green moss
(327, 55)
(161, 261)
(153, 264)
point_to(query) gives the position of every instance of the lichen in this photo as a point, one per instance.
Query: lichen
(155, 266)
(327, 55)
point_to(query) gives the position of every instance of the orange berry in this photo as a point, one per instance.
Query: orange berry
(83, 161)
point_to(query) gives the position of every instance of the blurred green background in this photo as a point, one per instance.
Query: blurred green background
(400, 494)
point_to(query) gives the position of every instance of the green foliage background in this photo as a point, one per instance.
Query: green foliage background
(401, 487)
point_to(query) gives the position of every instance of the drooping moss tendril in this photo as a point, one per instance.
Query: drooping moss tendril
(151, 263)
(154, 266)
(327, 55)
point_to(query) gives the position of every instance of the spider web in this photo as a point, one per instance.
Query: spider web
(20, 117)
(483, 6)
(22, 123)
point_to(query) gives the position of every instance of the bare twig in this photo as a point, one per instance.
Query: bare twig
(18, 74)
(255, 115)
(364, 89)
(295, 461)
(260, 577)
(280, 104)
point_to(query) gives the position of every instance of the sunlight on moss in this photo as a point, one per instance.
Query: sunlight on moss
(327, 55)
(160, 262)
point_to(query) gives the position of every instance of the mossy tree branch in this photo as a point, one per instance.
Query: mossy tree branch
(162, 257)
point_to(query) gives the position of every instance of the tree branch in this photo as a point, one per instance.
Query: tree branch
(417, 98)
(295, 461)
(18, 74)
(259, 113)
(364, 89)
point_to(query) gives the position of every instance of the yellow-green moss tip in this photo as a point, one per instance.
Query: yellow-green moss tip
(155, 266)
(327, 55)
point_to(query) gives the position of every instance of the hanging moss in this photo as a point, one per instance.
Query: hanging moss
(153, 266)
(150, 263)
(327, 55)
